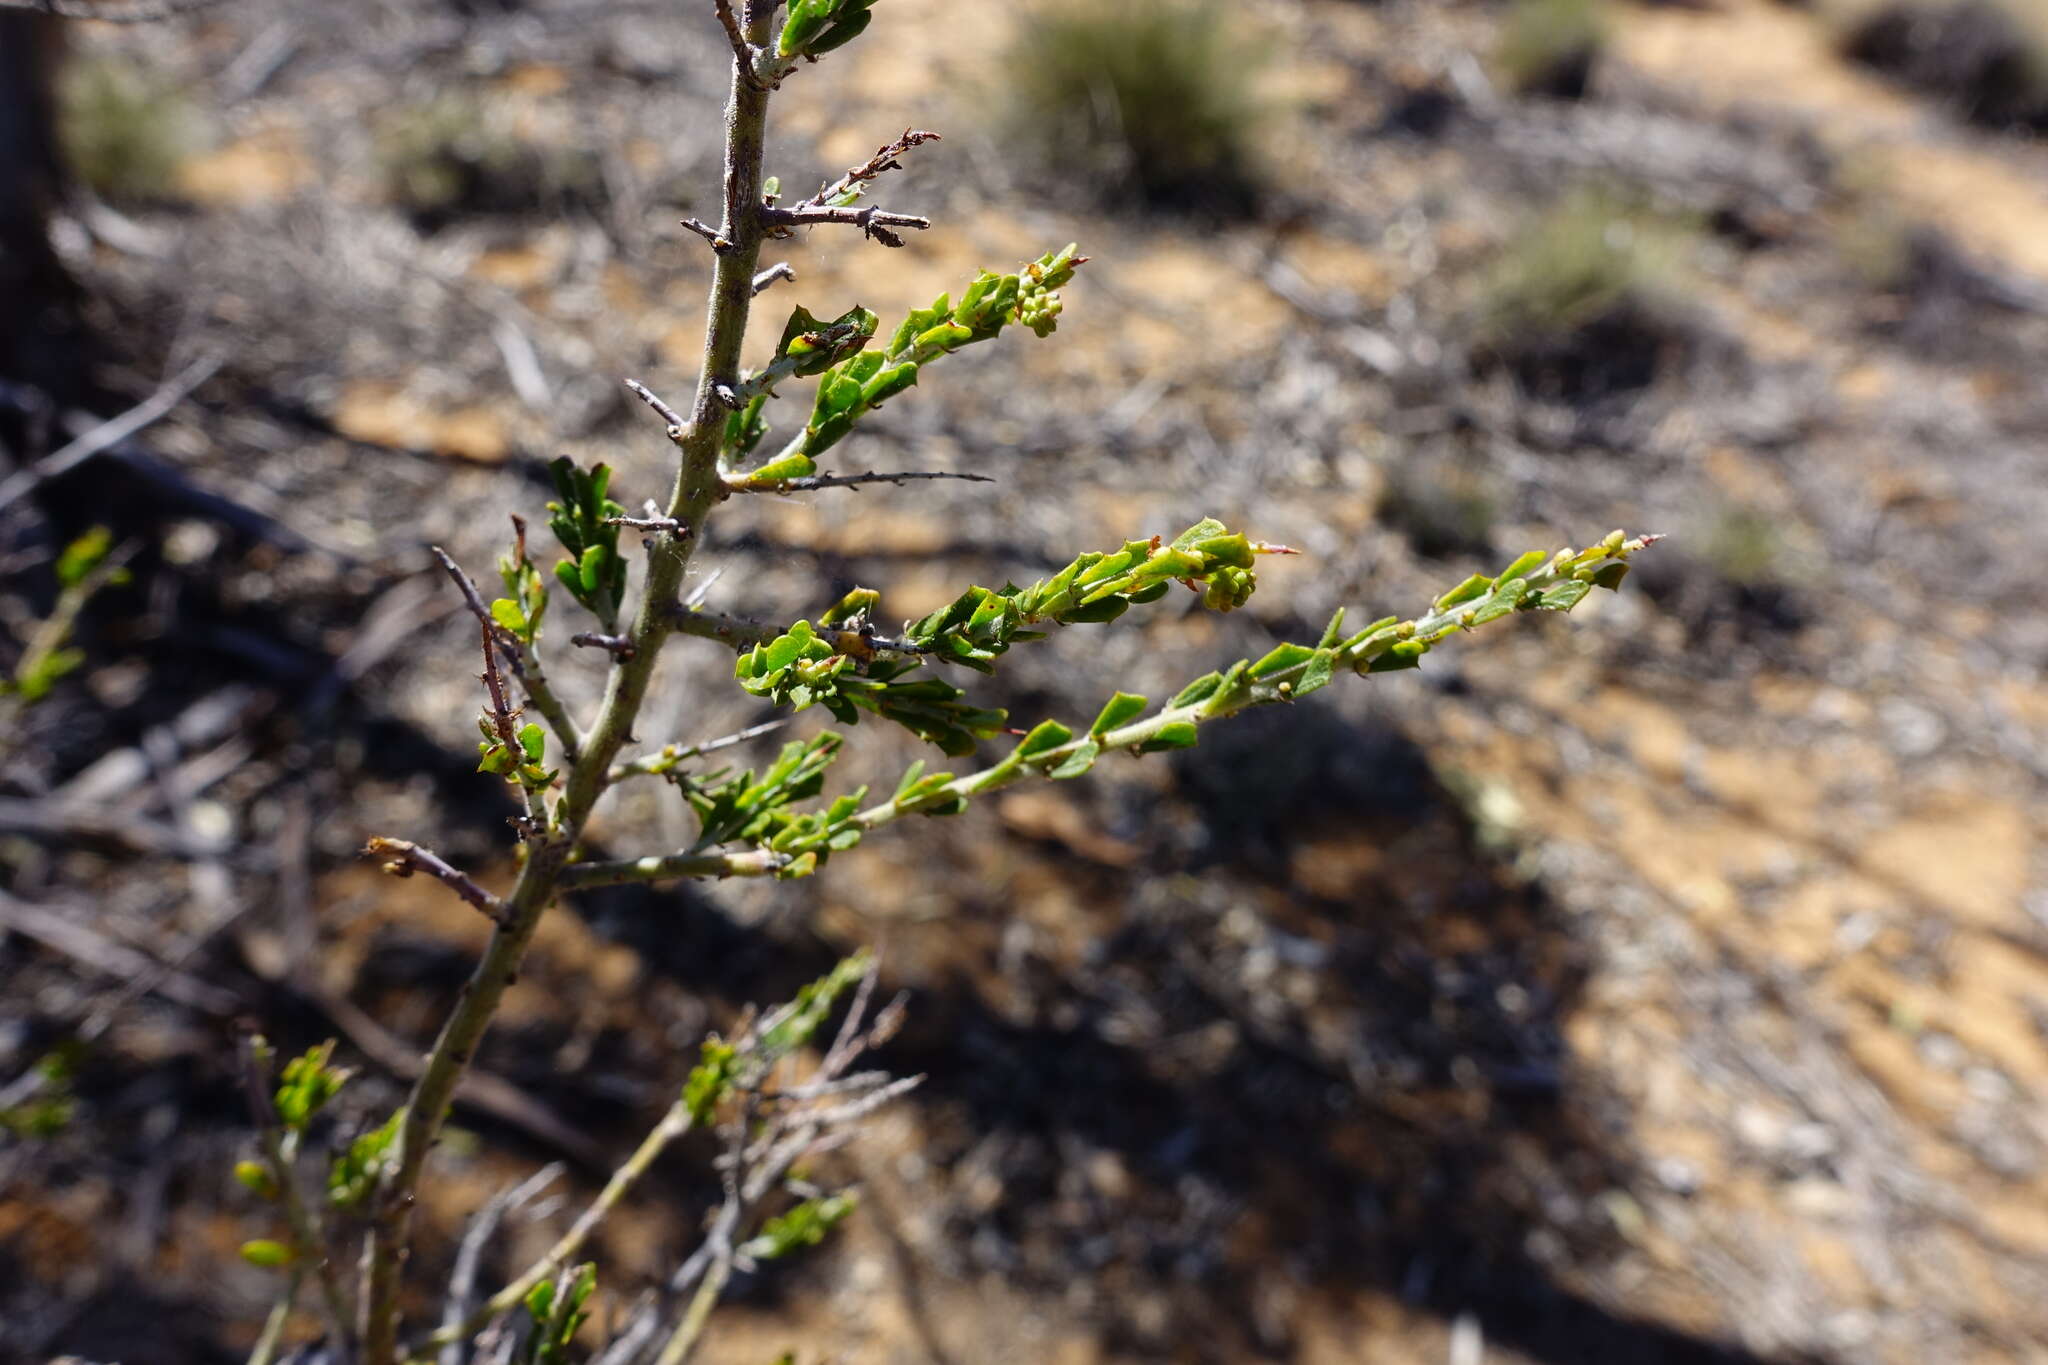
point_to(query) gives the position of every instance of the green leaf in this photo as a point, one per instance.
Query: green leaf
(1564, 596)
(811, 347)
(507, 613)
(841, 34)
(888, 383)
(257, 1179)
(790, 1027)
(806, 1225)
(787, 648)
(82, 556)
(355, 1172)
(908, 782)
(266, 1253)
(1280, 659)
(1048, 734)
(1473, 587)
(710, 1080)
(1078, 762)
(1179, 734)
(745, 428)
(534, 741)
(1120, 709)
(1402, 655)
(1317, 674)
(858, 603)
(306, 1084)
(807, 19)
(594, 574)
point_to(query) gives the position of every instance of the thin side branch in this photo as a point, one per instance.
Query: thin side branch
(670, 756)
(1574, 571)
(768, 1135)
(736, 631)
(720, 243)
(402, 858)
(308, 1231)
(456, 1320)
(781, 270)
(743, 52)
(273, 1326)
(676, 425)
(813, 482)
(856, 178)
(758, 862)
(619, 646)
(673, 1125)
(873, 221)
(55, 630)
(115, 430)
(861, 641)
(668, 524)
(525, 662)
(503, 717)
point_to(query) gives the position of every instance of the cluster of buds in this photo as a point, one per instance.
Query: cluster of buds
(1038, 305)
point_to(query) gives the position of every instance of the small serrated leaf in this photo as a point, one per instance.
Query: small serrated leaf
(1317, 674)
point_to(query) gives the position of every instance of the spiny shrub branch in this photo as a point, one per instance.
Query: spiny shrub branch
(359, 1202)
(790, 843)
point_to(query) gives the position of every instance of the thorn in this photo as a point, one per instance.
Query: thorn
(677, 427)
(710, 234)
(619, 646)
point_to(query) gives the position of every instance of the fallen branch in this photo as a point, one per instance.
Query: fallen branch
(114, 430)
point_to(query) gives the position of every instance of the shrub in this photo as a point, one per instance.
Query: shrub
(1443, 507)
(1586, 302)
(1743, 575)
(1987, 57)
(1549, 47)
(1146, 103)
(1746, 547)
(125, 131)
(458, 154)
(341, 1225)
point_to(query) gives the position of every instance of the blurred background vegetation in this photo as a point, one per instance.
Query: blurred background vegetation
(1669, 984)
